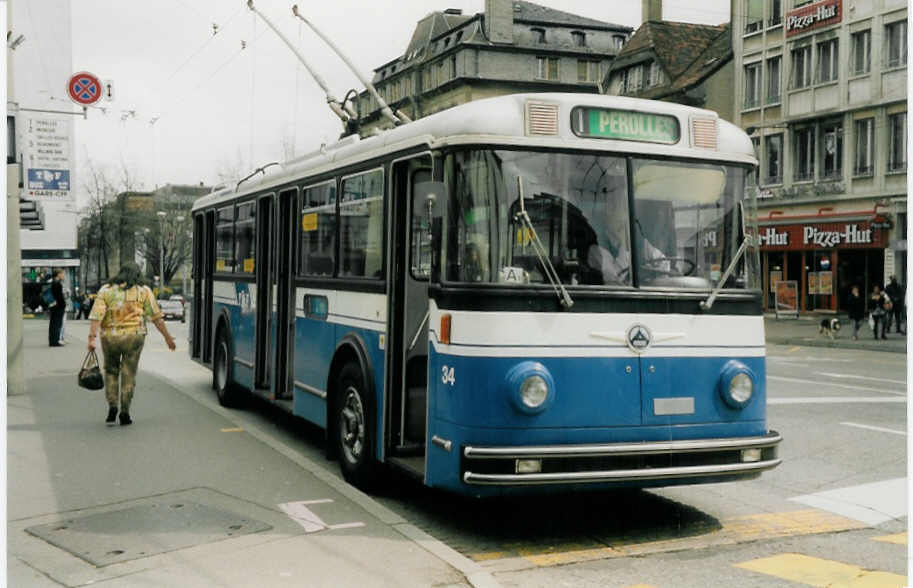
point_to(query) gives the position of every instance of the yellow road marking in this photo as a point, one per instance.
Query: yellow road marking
(899, 538)
(793, 349)
(698, 535)
(232, 430)
(822, 573)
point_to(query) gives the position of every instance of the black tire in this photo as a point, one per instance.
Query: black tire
(223, 372)
(354, 419)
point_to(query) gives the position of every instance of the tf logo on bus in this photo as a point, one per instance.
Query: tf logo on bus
(638, 338)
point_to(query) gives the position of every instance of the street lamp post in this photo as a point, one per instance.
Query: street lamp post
(161, 214)
(180, 220)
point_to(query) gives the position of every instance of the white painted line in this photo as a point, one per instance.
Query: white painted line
(303, 516)
(320, 501)
(872, 504)
(832, 385)
(347, 525)
(835, 400)
(901, 382)
(873, 428)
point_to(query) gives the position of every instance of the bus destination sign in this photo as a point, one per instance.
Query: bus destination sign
(624, 125)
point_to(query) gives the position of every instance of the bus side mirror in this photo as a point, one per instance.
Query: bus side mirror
(428, 197)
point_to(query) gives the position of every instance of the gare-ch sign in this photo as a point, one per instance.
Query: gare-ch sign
(850, 235)
(813, 16)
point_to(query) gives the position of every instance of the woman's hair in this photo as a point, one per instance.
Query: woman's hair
(129, 274)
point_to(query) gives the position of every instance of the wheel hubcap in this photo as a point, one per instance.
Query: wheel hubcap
(352, 426)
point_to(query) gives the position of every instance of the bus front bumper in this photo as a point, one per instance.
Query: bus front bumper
(730, 458)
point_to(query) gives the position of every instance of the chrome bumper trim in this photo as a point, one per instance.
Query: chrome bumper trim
(621, 475)
(623, 449)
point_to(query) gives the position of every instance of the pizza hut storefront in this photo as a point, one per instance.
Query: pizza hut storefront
(824, 257)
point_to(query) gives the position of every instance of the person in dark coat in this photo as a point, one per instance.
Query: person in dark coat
(896, 292)
(58, 308)
(856, 306)
(878, 305)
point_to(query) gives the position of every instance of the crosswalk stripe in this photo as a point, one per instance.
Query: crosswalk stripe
(899, 538)
(814, 571)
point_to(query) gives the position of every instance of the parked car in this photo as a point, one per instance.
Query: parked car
(178, 297)
(172, 309)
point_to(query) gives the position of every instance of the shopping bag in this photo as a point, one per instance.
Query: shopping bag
(90, 374)
(872, 322)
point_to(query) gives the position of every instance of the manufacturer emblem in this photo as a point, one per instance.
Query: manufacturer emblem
(638, 338)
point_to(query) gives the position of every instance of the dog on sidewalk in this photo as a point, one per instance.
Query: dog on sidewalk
(829, 327)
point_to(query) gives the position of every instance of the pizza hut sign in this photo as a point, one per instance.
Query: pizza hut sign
(813, 16)
(851, 235)
(846, 235)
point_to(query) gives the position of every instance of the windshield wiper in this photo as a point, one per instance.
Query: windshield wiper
(746, 243)
(539, 249)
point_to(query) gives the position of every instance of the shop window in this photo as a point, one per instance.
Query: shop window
(832, 150)
(865, 134)
(773, 79)
(897, 153)
(827, 61)
(317, 239)
(896, 40)
(862, 47)
(804, 154)
(774, 164)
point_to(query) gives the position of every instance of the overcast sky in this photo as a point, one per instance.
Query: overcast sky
(189, 104)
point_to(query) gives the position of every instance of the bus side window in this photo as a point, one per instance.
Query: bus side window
(317, 238)
(420, 233)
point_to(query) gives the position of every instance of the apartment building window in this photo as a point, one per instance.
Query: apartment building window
(538, 35)
(827, 61)
(547, 68)
(776, 13)
(587, 70)
(832, 150)
(618, 41)
(773, 79)
(802, 66)
(756, 147)
(579, 38)
(773, 147)
(865, 135)
(656, 74)
(897, 154)
(804, 154)
(753, 85)
(754, 16)
(862, 48)
(632, 79)
(896, 39)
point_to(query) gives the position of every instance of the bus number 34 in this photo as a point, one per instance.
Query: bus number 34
(447, 375)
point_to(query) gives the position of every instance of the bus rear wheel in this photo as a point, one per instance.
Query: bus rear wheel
(223, 372)
(354, 428)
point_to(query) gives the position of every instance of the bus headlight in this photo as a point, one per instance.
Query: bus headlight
(530, 387)
(736, 384)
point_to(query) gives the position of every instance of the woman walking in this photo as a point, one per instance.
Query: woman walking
(120, 312)
(856, 306)
(879, 305)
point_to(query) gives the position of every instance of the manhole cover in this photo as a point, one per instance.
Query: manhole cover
(147, 529)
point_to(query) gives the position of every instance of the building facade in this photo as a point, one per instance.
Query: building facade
(678, 62)
(822, 90)
(514, 46)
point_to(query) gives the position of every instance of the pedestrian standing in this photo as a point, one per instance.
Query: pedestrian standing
(58, 309)
(120, 312)
(897, 293)
(856, 306)
(878, 303)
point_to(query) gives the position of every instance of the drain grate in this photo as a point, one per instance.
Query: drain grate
(147, 529)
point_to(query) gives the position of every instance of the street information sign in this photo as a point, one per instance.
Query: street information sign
(84, 88)
(47, 159)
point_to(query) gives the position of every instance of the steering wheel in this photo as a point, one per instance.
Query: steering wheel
(650, 263)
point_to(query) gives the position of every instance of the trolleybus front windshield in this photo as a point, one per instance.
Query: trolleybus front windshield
(684, 230)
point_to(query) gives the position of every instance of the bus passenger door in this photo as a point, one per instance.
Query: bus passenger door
(197, 275)
(284, 316)
(208, 256)
(410, 253)
(263, 271)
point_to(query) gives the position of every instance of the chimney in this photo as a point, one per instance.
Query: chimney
(499, 21)
(651, 10)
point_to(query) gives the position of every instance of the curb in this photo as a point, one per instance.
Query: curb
(854, 345)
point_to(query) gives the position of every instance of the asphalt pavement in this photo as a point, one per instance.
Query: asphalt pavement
(184, 497)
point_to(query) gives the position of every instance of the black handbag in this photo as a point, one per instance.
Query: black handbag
(90, 374)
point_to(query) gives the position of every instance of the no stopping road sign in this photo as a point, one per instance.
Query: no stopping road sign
(84, 88)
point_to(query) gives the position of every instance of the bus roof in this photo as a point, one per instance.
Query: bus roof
(549, 120)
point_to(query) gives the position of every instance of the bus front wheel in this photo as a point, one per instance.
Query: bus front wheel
(354, 428)
(223, 372)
